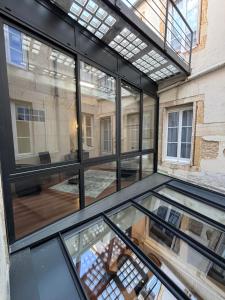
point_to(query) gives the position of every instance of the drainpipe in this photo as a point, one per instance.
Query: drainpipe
(195, 76)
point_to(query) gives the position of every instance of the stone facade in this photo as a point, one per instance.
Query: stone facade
(204, 90)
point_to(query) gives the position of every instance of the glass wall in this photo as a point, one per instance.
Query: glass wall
(148, 131)
(42, 100)
(98, 107)
(40, 200)
(147, 165)
(130, 118)
(192, 272)
(130, 168)
(99, 182)
(188, 224)
(206, 209)
(45, 108)
(108, 269)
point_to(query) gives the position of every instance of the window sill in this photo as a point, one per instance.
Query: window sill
(177, 162)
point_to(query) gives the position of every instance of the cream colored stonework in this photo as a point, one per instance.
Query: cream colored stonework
(210, 149)
(206, 94)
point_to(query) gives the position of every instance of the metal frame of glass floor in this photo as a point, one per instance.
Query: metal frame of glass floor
(168, 243)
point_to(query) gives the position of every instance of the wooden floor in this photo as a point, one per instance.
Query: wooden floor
(35, 211)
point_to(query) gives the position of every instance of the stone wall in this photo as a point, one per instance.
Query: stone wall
(206, 94)
(207, 165)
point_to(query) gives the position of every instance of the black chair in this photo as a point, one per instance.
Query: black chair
(44, 157)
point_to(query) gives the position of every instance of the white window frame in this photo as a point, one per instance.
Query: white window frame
(178, 159)
(23, 65)
(18, 155)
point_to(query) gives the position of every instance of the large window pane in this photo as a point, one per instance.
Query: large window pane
(148, 133)
(98, 108)
(42, 100)
(199, 230)
(204, 209)
(108, 269)
(40, 200)
(178, 260)
(147, 164)
(129, 171)
(99, 182)
(130, 118)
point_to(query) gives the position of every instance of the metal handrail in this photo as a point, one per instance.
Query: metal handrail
(150, 24)
(172, 29)
(179, 13)
(172, 4)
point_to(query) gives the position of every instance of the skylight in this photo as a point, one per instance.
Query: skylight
(92, 16)
(127, 44)
(105, 24)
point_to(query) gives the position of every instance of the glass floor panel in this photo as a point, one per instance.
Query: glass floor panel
(204, 209)
(197, 276)
(197, 229)
(108, 269)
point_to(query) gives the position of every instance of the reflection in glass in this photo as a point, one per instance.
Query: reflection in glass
(40, 200)
(204, 209)
(99, 182)
(129, 171)
(148, 133)
(108, 269)
(147, 165)
(42, 100)
(191, 271)
(98, 106)
(130, 118)
(197, 229)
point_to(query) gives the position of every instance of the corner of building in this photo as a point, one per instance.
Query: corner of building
(4, 256)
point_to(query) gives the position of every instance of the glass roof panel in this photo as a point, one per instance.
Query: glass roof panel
(108, 269)
(107, 25)
(198, 277)
(204, 209)
(197, 229)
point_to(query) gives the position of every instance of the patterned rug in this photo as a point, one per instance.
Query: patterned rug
(95, 182)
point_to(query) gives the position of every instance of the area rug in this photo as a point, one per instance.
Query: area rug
(95, 182)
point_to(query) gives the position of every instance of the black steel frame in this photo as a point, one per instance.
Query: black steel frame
(211, 255)
(164, 19)
(104, 216)
(131, 201)
(10, 173)
(132, 18)
(218, 204)
(188, 210)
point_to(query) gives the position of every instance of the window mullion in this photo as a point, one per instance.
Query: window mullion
(179, 135)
